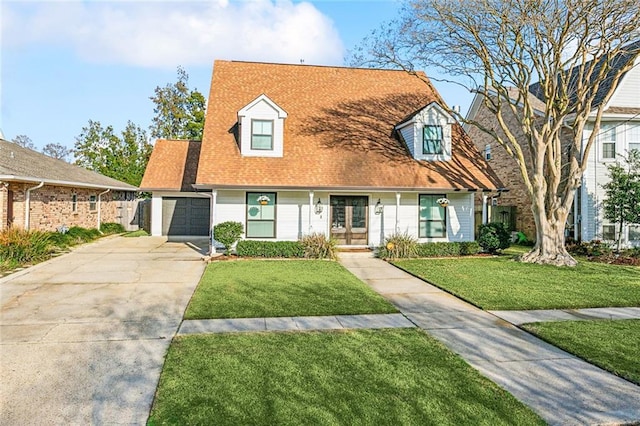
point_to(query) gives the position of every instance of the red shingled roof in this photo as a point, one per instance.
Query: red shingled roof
(339, 133)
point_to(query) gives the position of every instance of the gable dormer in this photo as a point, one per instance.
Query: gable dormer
(261, 125)
(427, 133)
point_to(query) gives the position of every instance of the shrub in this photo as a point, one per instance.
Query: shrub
(287, 249)
(228, 233)
(493, 237)
(594, 248)
(78, 235)
(22, 246)
(398, 246)
(443, 249)
(111, 228)
(318, 246)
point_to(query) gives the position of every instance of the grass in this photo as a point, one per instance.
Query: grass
(277, 288)
(611, 345)
(500, 283)
(326, 378)
(138, 233)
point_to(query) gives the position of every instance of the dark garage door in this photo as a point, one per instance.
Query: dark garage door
(185, 216)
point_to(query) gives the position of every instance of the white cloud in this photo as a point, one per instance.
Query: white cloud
(163, 34)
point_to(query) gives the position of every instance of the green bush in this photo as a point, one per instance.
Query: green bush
(228, 233)
(111, 228)
(287, 249)
(19, 246)
(443, 249)
(318, 246)
(398, 246)
(77, 235)
(493, 237)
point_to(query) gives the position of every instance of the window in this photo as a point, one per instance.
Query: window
(634, 232)
(432, 217)
(92, 202)
(633, 136)
(262, 134)
(261, 215)
(609, 232)
(608, 140)
(432, 139)
(487, 152)
(74, 202)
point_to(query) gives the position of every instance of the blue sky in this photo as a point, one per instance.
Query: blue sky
(64, 63)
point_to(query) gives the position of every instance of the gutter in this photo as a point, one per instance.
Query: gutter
(14, 178)
(27, 203)
(99, 207)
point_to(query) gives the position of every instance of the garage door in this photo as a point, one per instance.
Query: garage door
(185, 216)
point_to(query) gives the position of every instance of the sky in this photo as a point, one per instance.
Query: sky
(66, 62)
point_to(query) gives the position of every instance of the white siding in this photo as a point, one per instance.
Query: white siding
(408, 134)
(460, 217)
(628, 92)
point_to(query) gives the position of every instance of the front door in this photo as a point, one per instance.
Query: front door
(349, 219)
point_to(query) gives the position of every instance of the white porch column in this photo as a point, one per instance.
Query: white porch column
(212, 215)
(485, 213)
(398, 212)
(311, 194)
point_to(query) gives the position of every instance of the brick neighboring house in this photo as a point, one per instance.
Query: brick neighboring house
(356, 154)
(43, 193)
(619, 133)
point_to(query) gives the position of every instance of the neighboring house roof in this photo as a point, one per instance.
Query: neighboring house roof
(620, 60)
(25, 165)
(338, 134)
(173, 166)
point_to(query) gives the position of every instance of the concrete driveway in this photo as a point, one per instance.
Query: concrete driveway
(83, 336)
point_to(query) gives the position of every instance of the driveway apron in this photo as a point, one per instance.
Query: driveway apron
(83, 336)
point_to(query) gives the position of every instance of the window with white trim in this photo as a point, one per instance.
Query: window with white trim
(92, 202)
(74, 202)
(609, 232)
(432, 217)
(262, 134)
(432, 140)
(261, 215)
(608, 141)
(487, 152)
(634, 232)
(633, 136)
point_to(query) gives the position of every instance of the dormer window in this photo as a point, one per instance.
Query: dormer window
(427, 133)
(432, 139)
(262, 134)
(261, 128)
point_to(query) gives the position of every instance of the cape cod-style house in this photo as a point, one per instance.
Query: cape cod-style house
(288, 150)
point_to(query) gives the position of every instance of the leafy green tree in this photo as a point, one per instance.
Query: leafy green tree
(24, 141)
(179, 111)
(622, 204)
(57, 150)
(124, 158)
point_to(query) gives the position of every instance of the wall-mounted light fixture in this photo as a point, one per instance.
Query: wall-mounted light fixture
(318, 207)
(379, 208)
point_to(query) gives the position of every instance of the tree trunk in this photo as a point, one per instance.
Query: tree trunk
(549, 248)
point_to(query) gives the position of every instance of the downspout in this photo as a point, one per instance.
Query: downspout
(311, 194)
(397, 212)
(27, 203)
(99, 207)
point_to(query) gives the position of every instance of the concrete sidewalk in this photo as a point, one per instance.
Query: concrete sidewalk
(560, 387)
(84, 335)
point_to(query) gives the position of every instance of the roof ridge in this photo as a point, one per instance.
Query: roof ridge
(345, 67)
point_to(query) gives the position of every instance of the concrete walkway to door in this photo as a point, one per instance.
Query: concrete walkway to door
(560, 387)
(83, 336)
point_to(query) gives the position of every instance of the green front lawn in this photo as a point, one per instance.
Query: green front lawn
(612, 345)
(277, 288)
(383, 377)
(500, 283)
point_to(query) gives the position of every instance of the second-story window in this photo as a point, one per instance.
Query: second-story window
(608, 140)
(432, 142)
(262, 134)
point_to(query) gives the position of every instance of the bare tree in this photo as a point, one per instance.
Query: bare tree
(576, 51)
(57, 150)
(24, 141)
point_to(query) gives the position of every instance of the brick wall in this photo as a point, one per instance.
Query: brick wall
(51, 207)
(506, 169)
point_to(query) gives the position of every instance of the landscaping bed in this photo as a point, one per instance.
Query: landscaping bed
(277, 288)
(341, 378)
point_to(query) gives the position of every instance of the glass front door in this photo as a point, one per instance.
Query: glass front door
(349, 219)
